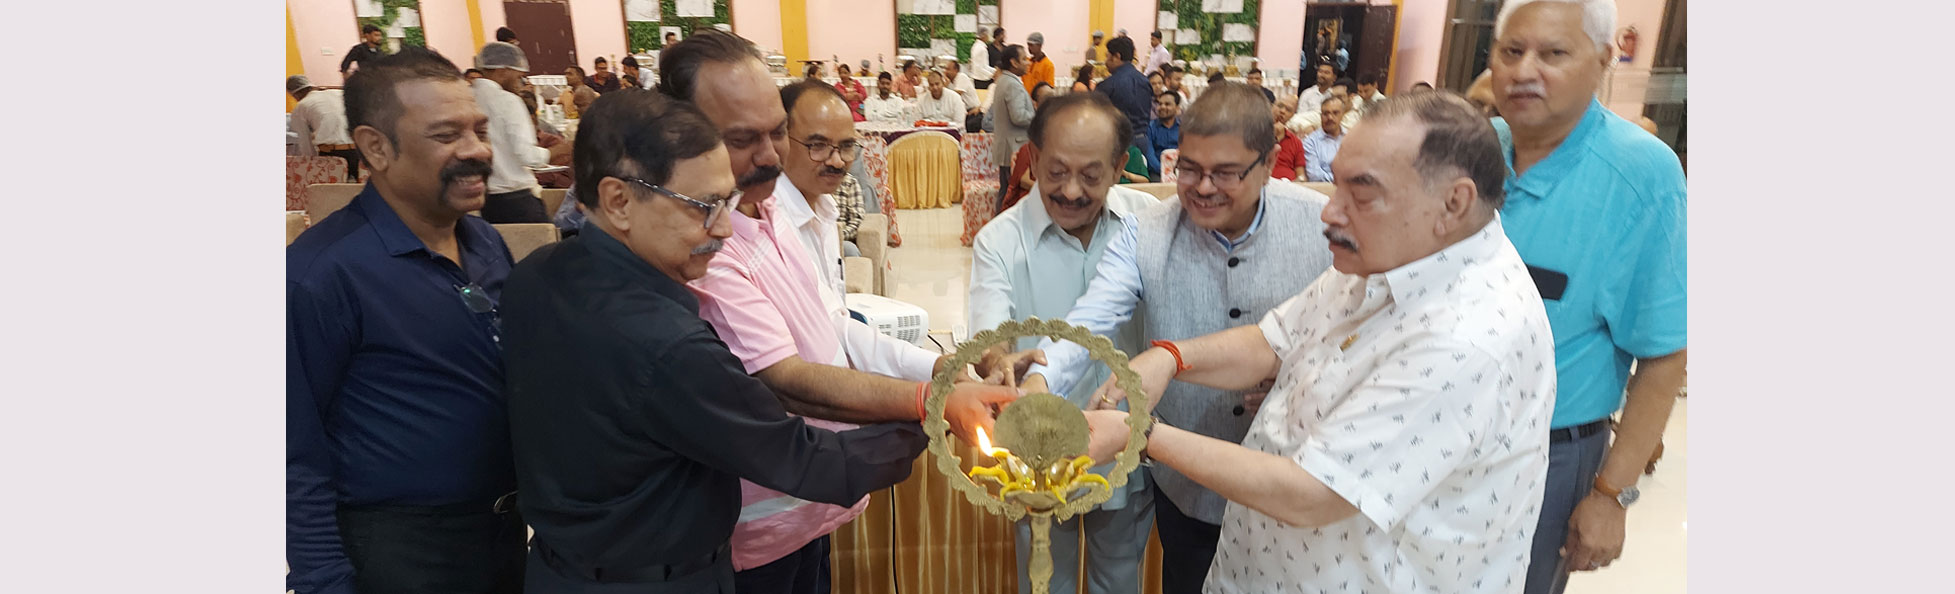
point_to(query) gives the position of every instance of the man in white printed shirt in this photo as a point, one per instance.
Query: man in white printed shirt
(1404, 445)
(512, 135)
(1035, 260)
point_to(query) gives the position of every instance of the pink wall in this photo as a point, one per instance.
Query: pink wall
(1421, 30)
(856, 30)
(446, 24)
(1281, 36)
(323, 24)
(1137, 17)
(760, 22)
(599, 26)
(1065, 24)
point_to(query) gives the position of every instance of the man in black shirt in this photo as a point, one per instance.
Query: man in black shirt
(369, 48)
(632, 422)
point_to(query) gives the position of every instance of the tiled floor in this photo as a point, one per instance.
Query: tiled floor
(933, 271)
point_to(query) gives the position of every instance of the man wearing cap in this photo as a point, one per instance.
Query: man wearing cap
(1039, 67)
(1093, 51)
(320, 121)
(512, 187)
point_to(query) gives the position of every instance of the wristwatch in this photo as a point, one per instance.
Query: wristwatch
(1624, 496)
(1147, 436)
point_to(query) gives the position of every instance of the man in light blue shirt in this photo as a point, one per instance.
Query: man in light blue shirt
(1595, 206)
(1320, 147)
(1231, 247)
(1035, 260)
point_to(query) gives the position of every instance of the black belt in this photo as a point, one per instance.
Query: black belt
(1578, 431)
(639, 574)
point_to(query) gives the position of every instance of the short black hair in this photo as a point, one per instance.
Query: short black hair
(1255, 71)
(369, 28)
(1176, 96)
(671, 33)
(1010, 53)
(1097, 102)
(884, 75)
(1368, 79)
(1216, 77)
(599, 60)
(1084, 74)
(1121, 46)
(793, 93)
(1158, 74)
(629, 61)
(579, 69)
(372, 94)
(1156, 35)
(505, 34)
(1035, 91)
(637, 133)
(1459, 140)
(682, 62)
(1346, 83)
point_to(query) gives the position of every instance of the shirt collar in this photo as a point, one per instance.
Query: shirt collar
(401, 241)
(746, 227)
(606, 247)
(1040, 222)
(1418, 279)
(1543, 176)
(1262, 203)
(791, 203)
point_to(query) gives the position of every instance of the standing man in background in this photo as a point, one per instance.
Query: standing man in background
(1038, 68)
(320, 121)
(1093, 50)
(1011, 114)
(982, 66)
(512, 131)
(1158, 56)
(1596, 207)
(369, 48)
(1127, 88)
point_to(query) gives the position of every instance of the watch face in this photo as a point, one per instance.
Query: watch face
(1629, 495)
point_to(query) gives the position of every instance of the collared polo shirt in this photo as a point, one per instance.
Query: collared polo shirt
(1605, 210)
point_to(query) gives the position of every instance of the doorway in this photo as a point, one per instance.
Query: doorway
(543, 31)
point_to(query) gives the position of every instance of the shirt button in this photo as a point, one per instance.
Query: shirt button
(1235, 313)
(1239, 410)
(1234, 261)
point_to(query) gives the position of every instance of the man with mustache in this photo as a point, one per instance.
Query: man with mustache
(1404, 442)
(512, 129)
(631, 421)
(1035, 260)
(1597, 209)
(1231, 247)
(787, 328)
(398, 473)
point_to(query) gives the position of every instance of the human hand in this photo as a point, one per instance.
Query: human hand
(1253, 400)
(1034, 384)
(1006, 368)
(1109, 434)
(1155, 367)
(970, 406)
(1595, 533)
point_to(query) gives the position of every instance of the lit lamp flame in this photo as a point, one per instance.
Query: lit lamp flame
(984, 444)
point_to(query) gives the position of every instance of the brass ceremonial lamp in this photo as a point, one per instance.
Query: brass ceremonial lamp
(1042, 442)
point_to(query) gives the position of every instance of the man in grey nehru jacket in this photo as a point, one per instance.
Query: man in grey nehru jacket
(1231, 247)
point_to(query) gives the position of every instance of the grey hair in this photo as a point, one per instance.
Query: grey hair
(1598, 19)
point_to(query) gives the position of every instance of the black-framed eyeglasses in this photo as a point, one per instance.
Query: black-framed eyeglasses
(1224, 180)
(713, 210)
(821, 150)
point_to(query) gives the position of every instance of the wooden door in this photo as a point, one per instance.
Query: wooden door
(543, 30)
(1375, 44)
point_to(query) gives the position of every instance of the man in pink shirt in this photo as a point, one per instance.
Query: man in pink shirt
(761, 295)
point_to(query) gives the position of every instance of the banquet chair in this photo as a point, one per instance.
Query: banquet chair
(924, 170)
(552, 199)
(524, 238)
(303, 172)
(294, 225)
(872, 238)
(1168, 160)
(326, 199)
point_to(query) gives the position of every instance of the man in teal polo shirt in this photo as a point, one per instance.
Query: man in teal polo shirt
(1596, 208)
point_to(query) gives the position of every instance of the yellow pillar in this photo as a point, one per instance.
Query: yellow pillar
(294, 61)
(1099, 16)
(794, 33)
(475, 22)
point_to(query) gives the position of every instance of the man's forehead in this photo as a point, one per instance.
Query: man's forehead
(825, 115)
(438, 102)
(1550, 22)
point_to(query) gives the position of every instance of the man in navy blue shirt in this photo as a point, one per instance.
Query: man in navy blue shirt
(398, 469)
(1127, 87)
(1163, 132)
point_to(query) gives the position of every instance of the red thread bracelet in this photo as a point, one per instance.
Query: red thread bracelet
(1179, 366)
(922, 391)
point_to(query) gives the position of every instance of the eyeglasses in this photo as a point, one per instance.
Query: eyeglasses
(479, 303)
(819, 151)
(713, 211)
(1226, 181)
